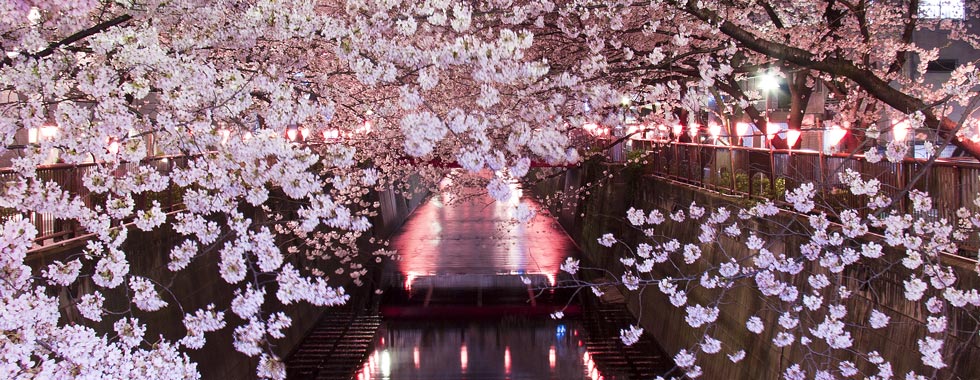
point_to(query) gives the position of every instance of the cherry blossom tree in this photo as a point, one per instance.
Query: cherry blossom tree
(315, 103)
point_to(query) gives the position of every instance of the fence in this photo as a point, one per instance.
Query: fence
(768, 173)
(70, 179)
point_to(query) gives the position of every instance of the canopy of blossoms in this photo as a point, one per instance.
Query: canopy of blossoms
(319, 102)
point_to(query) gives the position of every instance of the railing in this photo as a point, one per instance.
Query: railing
(69, 178)
(768, 173)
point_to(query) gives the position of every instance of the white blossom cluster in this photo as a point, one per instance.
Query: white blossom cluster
(820, 309)
(213, 93)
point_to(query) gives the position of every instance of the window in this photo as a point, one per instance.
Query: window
(946, 9)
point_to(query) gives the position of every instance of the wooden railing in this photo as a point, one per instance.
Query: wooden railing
(69, 178)
(749, 172)
(768, 173)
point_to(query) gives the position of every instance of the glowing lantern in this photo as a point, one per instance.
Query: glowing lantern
(291, 134)
(49, 131)
(330, 134)
(771, 130)
(304, 132)
(714, 129)
(741, 129)
(836, 134)
(900, 130)
(225, 134)
(113, 146)
(792, 136)
(692, 130)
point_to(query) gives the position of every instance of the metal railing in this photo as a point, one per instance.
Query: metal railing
(70, 179)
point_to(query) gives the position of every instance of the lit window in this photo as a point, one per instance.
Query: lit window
(947, 9)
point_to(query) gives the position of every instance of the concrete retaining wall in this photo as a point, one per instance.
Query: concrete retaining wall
(602, 208)
(200, 284)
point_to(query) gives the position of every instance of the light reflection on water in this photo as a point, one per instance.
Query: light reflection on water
(512, 349)
(478, 236)
(456, 253)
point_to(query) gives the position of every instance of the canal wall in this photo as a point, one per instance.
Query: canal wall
(589, 202)
(200, 284)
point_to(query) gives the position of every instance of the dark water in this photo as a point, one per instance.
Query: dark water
(467, 301)
(510, 348)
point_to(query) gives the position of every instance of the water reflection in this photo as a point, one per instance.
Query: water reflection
(462, 306)
(486, 349)
(474, 235)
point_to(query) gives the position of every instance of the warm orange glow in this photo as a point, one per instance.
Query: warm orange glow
(463, 358)
(715, 130)
(771, 130)
(693, 130)
(331, 134)
(741, 129)
(836, 134)
(551, 357)
(49, 131)
(507, 359)
(792, 136)
(900, 130)
(634, 132)
(677, 128)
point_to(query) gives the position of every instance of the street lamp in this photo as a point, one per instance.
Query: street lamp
(768, 81)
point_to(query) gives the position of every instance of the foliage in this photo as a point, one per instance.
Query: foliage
(242, 92)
